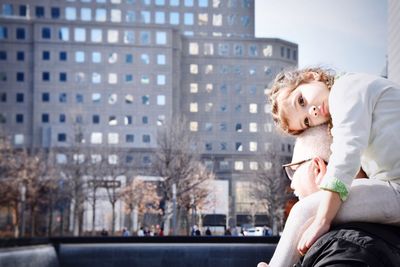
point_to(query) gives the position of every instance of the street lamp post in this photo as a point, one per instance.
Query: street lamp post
(22, 191)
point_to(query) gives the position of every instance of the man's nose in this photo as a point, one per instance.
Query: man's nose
(313, 111)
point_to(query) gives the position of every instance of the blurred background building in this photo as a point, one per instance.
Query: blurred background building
(394, 41)
(111, 73)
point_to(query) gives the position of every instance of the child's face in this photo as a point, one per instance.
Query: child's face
(307, 106)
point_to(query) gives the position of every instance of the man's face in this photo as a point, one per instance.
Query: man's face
(304, 180)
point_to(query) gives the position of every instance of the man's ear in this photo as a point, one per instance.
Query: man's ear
(319, 166)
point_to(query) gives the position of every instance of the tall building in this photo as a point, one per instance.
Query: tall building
(120, 69)
(393, 60)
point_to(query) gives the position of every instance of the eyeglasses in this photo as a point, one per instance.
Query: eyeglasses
(291, 168)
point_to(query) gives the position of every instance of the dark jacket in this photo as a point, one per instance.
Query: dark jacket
(356, 244)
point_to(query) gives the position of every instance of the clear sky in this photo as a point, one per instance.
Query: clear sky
(347, 35)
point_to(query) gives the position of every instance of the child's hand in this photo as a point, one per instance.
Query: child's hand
(313, 232)
(328, 207)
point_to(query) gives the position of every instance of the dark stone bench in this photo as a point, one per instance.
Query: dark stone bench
(142, 252)
(32, 256)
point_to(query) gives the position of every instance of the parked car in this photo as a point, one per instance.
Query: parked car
(254, 231)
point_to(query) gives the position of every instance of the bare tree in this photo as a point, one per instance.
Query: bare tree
(177, 162)
(271, 187)
(142, 196)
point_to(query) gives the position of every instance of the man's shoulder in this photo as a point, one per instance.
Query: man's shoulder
(354, 244)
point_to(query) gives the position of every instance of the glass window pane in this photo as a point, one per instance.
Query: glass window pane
(160, 17)
(188, 19)
(70, 13)
(96, 35)
(86, 14)
(174, 18)
(101, 14)
(96, 57)
(161, 38)
(115, 15)
(80, 35)
(129, 37)
(112, 36)
(63, 34)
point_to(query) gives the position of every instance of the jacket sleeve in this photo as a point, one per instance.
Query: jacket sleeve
(351, 106)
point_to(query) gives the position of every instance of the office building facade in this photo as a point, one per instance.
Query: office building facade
(120, 69)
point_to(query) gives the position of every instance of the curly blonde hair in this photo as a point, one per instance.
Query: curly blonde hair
(285, 83)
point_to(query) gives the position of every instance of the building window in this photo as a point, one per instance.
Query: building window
(129, 58)
(79, 98)
(160, 17)
(3, 55)
(96, 119)
(146, 100)
(113, 138)
(115, 15)
(253, 127)
(20, 98)
(253, 108)
(112, 120)
(62, 137)
(45, 118)
(63, 34)
(145, 120)
(7, 10)
(174, 18)
(208, 146)
(96, 35)
(223, 146)
(80, 35)
(128, 120)
(39, 12)
(146, 138)
(22, 10)
(20, 56)
(46, 55)
(161, 38)
(238, 146)
(112, 36)
(45, 76)
(46, 33)
(130, 16)
(129, 37)
(239, 165)
(161, 59)
(96, 138)
(96, 57)
(62, 118)
(96, 97)
(129, 138)
(194, 126)
(20, 76)
(208, 49)
(253, 165)
(188, 19)
(208, 127)
(145, 38)
(3, 97)
(86, 14)
(55, 12)
(193, 48)
(63, 56)
(253, 146)
(161, 79)
(145, 17)
(70, 13)
(45, 97)
(194, 88)
(193, 107)
(101, 14)
(20, 34)
(19, 139)
(62, 98)
(19, 118)
(161, 100)
(217, 20)
(3, 119)
(194, 69)
(63, 77)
